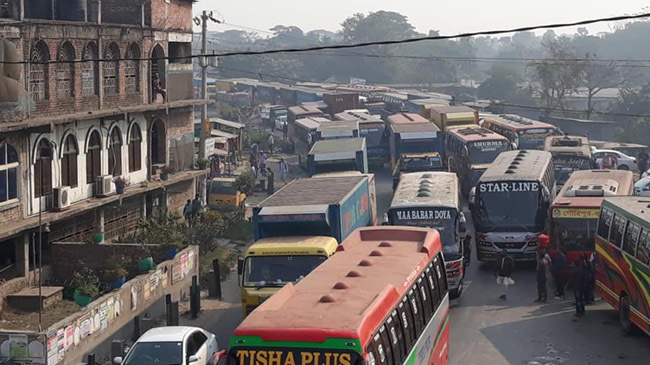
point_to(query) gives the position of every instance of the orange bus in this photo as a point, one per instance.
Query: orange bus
(523, 133)
(380, 300)
(574, 213)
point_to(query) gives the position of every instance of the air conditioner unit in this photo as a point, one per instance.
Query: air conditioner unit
(104, 186)
(61, 198)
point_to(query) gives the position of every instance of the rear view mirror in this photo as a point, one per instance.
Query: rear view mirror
(471, 199)
(193, 359)
(117, 360)
(240, 266)
(462, 224)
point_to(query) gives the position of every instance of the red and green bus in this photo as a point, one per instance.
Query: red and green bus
(623, 259)
(381, 300)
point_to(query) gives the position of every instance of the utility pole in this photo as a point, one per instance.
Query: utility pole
(204, 81)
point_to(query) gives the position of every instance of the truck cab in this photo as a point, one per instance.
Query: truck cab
(415, 162)
(271, 263)
(224, 196)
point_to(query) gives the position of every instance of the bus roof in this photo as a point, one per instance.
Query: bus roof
(452, 109)
(407, 118)
(308, 123)
(295, 245)
(414, 128)
(339, 125)
(577, 145)
(300, 110)
(427, 189)
(515, 122)
(350, 294)
(353, 115)
(338, 145)
(588, 188)
(517, 165)
(475, 133)
(636, 206)
(326, 190)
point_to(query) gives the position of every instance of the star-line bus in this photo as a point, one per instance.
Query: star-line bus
(510, 204)
(380, 300)
(574, 213)
(623, 259)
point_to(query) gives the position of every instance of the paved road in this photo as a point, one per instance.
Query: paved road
(487, 330)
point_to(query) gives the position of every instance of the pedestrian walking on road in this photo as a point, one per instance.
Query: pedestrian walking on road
(285, 131)
(270, 177)
(543, 263)
(643, 161)
(263, 159)
(557, 268)
(579, 277)
(505, 268)
(187, 212)
(271, 143)
(283, 168)
(196, 208)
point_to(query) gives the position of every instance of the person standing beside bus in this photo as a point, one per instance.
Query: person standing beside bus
(504, 269)
(557, 269)
(579, 283)
(543, 262)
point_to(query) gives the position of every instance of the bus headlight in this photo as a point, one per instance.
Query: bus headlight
(484, 243)
(532, 243)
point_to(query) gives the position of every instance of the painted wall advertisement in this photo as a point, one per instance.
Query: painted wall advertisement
(22, 348)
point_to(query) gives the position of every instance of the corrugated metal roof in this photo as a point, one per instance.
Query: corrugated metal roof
(407, 118)
(325, 190)
(338, 145)
(415, 127)
(438, 189)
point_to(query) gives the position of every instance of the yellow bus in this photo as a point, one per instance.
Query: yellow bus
(270, 263)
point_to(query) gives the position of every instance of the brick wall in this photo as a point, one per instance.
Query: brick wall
(180, 123)
(65, 256)
(178, 194)
(172, 14)
(121, 12)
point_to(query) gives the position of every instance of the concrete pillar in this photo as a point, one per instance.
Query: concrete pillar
(100, 220)
(142, 21)
(21, 245)
(99, 15)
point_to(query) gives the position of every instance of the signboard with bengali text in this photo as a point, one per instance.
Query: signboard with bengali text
(578, 213)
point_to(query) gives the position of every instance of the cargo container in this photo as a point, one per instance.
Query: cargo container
(333, 155)
(412, 134)
(449, 117)
(339, 101)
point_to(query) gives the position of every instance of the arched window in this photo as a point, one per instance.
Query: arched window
(158, 143)
(132, 69)
(8, 173)
(38, 75)
(111, 68)
(69, 162)
(65, 72)
(89, 70)
(43, 168)
(93, 157)
(135, 147)
(115, 152)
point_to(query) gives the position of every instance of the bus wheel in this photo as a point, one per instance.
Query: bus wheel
(624, 315)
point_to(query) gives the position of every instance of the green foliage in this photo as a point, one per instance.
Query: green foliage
(239, 231)
(115, 269)
(245, 182)
(86, 281)
(162, 228)
(227, 259)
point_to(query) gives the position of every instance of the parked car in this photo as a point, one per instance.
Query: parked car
(646, 174)
(172, 345)
(642, 187)
(280, 122)
(625, 162)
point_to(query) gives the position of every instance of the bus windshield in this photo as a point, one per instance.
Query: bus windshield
(442, 219)
(486, 151)
(567, 164)
(278, 270)
(223, 187)
(496, 211)
(575, 234)
(420, 164)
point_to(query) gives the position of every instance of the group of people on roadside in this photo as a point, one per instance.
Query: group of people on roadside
(192, 210)
(580, 276)
(258, 161)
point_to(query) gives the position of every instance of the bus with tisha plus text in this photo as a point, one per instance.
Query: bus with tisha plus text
(574, 213)
(623, 259)
(380, 300)
(510, 204)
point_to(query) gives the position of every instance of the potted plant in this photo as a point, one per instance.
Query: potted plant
(115, 273)
(165, 171)
(98, 237)
(202, 163)
(245, 182)
(171, 249)
(120, 184)
(86, 284)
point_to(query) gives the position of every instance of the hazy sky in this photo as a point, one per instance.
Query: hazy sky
(448, 16)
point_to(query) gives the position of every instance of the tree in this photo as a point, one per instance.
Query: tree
(558, 77)
(597, 76)
(631, 102)
(379, 25)
(501, 83)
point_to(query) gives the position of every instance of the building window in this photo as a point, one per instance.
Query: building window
(43, 169)
(111, 68)
(89, 71)
(132, 69)
(93, 157)
(38, 75)
(135, 148)
(158, 143)
(69, 162)
(65, 72)
(8, 173)
(115, 153)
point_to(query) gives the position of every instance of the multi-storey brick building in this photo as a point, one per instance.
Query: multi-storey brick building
(106, 93)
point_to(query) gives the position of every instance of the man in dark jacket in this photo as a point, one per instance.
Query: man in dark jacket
(504, 268)
(557, 268)
(543, 263)
(579, 278)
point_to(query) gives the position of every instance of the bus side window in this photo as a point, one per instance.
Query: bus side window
(388, 346)
(631, 238)
(643, 249)
(416, 309)
(373, 355)
(618, 230)
(440, 275)
(605, 222)
(407, 324)
(435, 295)
(395, 325)
(426, 298)
(410, 321)
(380, 351)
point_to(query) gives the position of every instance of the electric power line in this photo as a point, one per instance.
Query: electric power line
(355, 45)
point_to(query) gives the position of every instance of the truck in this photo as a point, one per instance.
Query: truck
(325, 206)
(412, 134)
(450, 117)
(331, 155)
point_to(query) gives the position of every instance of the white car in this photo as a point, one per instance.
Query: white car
(646, 174)
(642, 187)
(172, 345)
(625, 162)
(280, 122)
